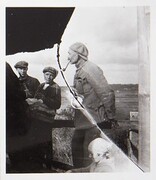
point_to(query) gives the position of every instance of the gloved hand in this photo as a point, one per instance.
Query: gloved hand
(74, 91)
(76, 102)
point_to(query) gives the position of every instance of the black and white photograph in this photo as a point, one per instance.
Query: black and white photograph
(77, 90)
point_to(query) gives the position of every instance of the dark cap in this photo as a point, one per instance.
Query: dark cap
(52, 70)
(21, 64)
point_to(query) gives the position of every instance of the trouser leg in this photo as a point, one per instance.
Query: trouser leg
(77, 148)
(109, 105)
(48, 154)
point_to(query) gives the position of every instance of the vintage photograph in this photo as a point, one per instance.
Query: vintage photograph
(77, 89)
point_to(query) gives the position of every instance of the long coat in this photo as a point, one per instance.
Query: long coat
(17, 122)
(30, 84)
(99, 98)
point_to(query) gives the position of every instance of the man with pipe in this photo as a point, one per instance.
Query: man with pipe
(98, 99)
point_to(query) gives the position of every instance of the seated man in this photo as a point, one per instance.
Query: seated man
(47, 98)
(100, 152)
(44, 105)
(49, 92)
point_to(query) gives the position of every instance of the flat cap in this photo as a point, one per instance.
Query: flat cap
(21, 64)
(52, 70)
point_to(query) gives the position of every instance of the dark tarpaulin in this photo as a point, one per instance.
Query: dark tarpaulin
(29, 30)
(34, 29)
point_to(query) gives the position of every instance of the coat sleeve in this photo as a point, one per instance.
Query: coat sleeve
(98, 82)
(36, 85)
(33, 83)
(39, 93)
(103, 91)
(53, 101)
(79, 170)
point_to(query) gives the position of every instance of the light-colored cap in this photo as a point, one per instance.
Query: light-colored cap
(99, 145)
(80, 49)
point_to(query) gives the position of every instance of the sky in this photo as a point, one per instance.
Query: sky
(110, 34)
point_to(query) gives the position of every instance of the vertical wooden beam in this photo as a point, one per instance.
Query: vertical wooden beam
(143, 14)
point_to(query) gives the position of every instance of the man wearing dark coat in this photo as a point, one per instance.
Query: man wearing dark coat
(17, 120)
(49, 92)
(48, 99)
(28, 84)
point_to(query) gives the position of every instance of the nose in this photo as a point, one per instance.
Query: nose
(48, 76)
(93, 156)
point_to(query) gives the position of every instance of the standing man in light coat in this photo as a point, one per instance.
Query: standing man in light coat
(99, 101)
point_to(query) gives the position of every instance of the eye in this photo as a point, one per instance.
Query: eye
(98, 154)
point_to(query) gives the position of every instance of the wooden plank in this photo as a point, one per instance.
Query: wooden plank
(39, 132)
(144, 86)
(127, 100)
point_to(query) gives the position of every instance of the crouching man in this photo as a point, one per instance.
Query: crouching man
(102, 160)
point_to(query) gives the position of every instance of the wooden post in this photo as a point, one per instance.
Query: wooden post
(144, 87)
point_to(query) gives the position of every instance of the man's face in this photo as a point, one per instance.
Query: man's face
(22, 71)
(48, 77)
(96, 155)
(98, 149)
(72, 57)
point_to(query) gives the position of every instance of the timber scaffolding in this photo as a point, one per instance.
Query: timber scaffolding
(63, 126)
(144, 93)
(123, 136)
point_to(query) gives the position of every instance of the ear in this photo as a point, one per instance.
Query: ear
(77, 57)
(90, 155)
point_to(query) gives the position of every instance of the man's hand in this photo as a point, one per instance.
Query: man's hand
(76, 103)
(40, 96)
(74, 91)
(31, 101)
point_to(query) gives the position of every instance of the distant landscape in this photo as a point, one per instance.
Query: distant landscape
(126, 100)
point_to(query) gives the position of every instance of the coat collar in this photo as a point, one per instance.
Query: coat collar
(81, 65)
